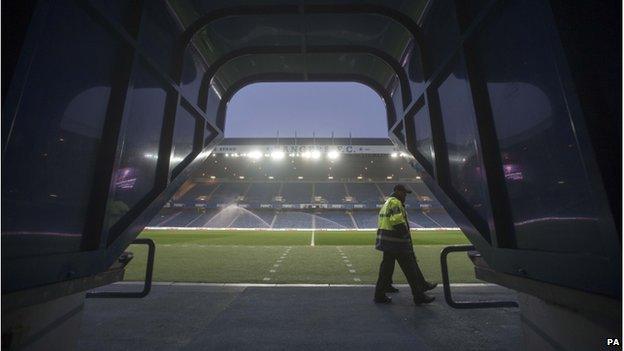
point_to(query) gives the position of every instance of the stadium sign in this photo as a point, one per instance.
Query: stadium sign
(298, 149)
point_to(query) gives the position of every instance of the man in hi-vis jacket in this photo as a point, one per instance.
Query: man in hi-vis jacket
(395, 240)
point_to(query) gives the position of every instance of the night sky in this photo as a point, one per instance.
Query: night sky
(260, 110)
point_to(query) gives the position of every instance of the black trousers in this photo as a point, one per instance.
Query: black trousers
(409, 266)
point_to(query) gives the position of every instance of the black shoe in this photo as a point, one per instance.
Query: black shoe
(392, 289)
(423, 298)
(430, 286)
(383, 299)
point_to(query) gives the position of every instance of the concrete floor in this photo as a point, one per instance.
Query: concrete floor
(211, 317)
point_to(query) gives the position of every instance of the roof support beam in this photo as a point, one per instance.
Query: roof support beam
(343, 49)
(254, 10)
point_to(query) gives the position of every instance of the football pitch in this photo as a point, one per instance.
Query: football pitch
(288, 257)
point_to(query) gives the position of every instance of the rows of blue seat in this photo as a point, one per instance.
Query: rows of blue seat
(235, 217)
(293, 193)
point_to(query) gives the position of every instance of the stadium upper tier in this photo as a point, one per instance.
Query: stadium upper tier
(308, 165)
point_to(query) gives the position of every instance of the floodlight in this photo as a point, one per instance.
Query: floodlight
(333, 154)
(394, 155)
(306, 154)
(299, 177)
(330, 177)
(316, 154)
(213, 177)
(255, 155)
(270, 177)
(241, 177)
(389, 177)
(359, 177)
(277, 155)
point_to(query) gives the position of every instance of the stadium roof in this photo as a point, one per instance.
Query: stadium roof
(306, 141)
(293, 146)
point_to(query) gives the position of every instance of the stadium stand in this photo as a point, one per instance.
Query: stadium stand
(419, 219)
(365, 218)
(254, 205)
(333, 193)
(367, 193)
(183, 218)
(200, 191)
(297, 193)
(441, 218)
(333, 220)
(256, 219)
(238, 192)
(229, 192)
(262, 192)
(293, 219)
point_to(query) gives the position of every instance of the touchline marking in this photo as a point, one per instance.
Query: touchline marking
(312, 239)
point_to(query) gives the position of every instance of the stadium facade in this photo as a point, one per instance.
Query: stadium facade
(300, 184)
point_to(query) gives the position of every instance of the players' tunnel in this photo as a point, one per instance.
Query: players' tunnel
(491, 98)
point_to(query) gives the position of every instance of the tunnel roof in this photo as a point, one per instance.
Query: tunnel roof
(377, 43)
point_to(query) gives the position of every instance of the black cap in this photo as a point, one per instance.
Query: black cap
(401, 187)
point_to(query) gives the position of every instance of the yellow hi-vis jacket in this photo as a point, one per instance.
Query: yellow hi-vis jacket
(393, 234)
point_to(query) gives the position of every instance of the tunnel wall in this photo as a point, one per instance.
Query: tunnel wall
(498, 132)
(99, 136)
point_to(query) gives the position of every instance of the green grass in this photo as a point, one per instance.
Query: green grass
(419, 237)
(269, 238)
(248, 257)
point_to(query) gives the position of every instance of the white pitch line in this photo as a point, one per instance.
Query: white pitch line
(266, 279)
(312, 238)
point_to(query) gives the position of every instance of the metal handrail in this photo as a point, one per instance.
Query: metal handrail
(149, 270)
(447, 285)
